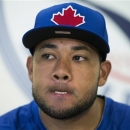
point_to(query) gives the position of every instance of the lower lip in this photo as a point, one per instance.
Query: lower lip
(60, 95)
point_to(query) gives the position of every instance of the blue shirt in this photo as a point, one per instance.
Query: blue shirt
(116, 116)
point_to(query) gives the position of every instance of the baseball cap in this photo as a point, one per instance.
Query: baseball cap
(69, 20)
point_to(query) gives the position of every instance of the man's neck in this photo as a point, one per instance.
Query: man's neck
(87, 120)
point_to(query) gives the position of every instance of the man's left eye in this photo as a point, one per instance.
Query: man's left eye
(78, 58)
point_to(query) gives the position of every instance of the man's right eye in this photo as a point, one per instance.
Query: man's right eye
(48, 56)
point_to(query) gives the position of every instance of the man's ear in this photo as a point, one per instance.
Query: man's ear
(104, 72)
(29, 66)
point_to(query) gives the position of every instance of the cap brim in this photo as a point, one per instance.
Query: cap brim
(37, 35)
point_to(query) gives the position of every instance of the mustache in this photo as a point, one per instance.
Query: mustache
(61, 87)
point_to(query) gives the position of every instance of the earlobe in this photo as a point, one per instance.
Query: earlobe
(104, 72)
(29, 66)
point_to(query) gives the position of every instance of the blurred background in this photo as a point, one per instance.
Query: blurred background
(18, 16)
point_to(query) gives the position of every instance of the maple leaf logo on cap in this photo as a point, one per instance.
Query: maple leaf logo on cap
(68, 17)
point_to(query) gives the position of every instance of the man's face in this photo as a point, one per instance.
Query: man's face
(65, 75)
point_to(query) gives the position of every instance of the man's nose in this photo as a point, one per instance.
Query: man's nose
(62, 71)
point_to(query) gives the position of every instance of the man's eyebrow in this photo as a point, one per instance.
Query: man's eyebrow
(77, 48)
(48, 45)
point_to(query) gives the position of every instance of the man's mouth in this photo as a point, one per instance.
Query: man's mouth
(61, 89)
(57, 92)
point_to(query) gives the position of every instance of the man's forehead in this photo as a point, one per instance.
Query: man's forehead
(73, 44)
(64, 42)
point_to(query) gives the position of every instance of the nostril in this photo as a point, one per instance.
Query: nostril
(56, 77)
(65, 77)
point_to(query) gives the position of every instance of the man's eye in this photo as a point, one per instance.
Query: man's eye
(78, 58)
(48, 56)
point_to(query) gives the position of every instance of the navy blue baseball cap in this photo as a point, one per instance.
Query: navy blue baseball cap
(69, 20)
